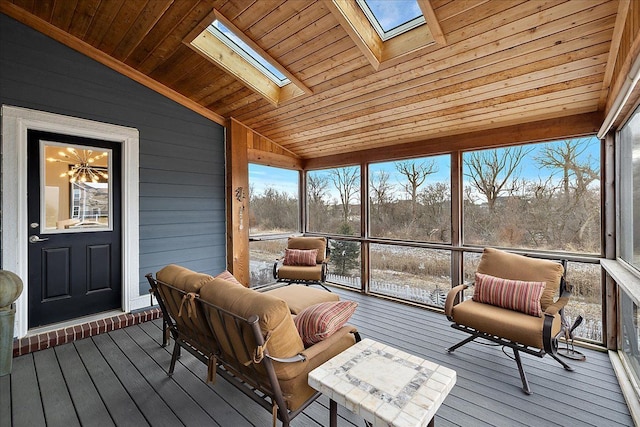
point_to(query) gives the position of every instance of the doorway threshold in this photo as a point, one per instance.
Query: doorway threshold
(61, 333)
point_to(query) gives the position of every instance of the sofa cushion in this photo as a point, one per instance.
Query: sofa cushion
(274, 315)
(183, 278)
(302, 257)
(320, 321)
(498, 263)
(512, 294)
(299, 297)
(319, 243)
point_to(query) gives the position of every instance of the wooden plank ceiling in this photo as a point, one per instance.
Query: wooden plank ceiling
(504, 62)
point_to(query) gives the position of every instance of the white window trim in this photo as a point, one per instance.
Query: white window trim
(15, 123)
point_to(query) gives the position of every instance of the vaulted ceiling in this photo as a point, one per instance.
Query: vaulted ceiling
(494, 64)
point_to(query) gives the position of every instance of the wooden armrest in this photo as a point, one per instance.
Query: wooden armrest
(453, 299)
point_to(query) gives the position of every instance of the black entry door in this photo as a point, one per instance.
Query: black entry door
(74, 220)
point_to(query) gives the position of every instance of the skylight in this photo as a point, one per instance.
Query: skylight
(391, 18)
(244, 50)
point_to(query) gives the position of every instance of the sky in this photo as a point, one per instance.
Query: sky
(391, 14)
(261, 177)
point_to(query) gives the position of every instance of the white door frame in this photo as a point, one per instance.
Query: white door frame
(15, 123)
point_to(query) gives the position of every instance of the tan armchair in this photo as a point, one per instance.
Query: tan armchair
(522, 332)
(304, 274)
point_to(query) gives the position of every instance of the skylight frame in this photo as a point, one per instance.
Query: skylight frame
(396, 31)
(248, 54)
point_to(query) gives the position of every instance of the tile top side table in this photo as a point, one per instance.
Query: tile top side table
(384, 385)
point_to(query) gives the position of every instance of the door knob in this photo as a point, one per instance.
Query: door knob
(36, 239)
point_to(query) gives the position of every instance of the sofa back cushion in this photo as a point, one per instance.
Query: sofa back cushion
(275, 321)
(190, 321)
(319, 243)
(505, 265)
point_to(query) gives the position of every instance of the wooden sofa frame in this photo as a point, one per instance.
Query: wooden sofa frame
(262, 389)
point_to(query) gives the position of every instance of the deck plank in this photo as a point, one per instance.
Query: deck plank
(128, 369)
(154, 409)
(26, 405)
(89, 406)
(116, 398)
(5, 400)
(58, 406)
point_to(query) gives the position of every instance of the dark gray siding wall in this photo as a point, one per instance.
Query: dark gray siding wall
(182, 215)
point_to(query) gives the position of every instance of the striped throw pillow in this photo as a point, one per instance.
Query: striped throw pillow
(515, 295)
(318, 322)
(226, 275)
(305, 257)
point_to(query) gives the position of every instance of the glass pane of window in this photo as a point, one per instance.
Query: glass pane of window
(586, 300)
(392, 17)
(414, 274)
(411, 199)
(234, 42)
(263, 255)
(333, 201)
(273, 200)
(470, 263)
(344, 263)
(630, 330)
(629, 191)
(538, 196)
(75, 183)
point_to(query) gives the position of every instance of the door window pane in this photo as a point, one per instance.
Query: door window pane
(76, 194)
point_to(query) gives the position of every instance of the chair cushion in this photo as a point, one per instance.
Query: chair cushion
(320, 321)
(302, 257)
(296, 272)
(319, 243)
(502, 264)
(512, 294)
(299, 297)
(502, 322)
(226, 275)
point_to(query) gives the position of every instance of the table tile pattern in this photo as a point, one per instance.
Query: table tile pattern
(384, 385)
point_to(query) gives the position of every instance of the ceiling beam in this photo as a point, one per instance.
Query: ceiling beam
(432, 22)
(545, 130)
(616, 39)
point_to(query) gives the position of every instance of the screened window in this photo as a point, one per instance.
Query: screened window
(411, 199)
(333, 201)
(539, 196)
(629, 191)
(273, 200)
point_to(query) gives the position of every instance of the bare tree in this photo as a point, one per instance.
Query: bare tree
(317, 189)
(416, 173)
(491, 170)
(381, 189)
(347, 182)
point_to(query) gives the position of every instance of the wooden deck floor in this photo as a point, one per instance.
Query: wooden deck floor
(120, 379)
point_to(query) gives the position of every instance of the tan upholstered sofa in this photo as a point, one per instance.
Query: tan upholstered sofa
(246, 336)
(535, 335)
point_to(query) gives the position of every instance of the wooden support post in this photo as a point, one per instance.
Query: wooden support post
(608, 204)
(237, 170)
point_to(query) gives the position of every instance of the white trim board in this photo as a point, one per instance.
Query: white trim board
(15, 123)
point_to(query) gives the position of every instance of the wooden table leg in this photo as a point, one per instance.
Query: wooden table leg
(333, 413)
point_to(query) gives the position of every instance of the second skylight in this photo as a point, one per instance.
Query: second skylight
(391, 18)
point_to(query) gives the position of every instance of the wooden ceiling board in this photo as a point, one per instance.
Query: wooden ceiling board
(505, 63)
